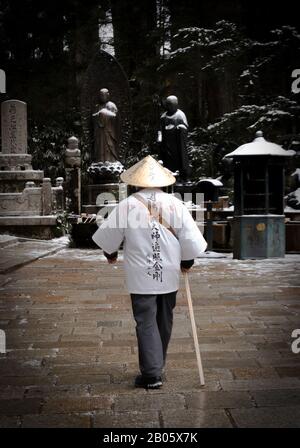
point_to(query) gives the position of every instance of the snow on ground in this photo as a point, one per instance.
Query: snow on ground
(254, 268)
(296, 173)
(64, 240)
(260, 267)
(82, 254)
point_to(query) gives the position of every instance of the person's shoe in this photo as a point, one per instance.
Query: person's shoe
(147, 382)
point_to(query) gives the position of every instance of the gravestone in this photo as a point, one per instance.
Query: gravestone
(14, 155)
(14, 127)
(27, 200)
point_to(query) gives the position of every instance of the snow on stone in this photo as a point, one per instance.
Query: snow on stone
(32, 363)
(293, 199)
(296, 173)
(289, 209)
(245, 73)
(23, 321)
(259, 147)
(215, 182)
(63, 240)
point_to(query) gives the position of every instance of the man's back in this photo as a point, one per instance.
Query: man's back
(152, 254)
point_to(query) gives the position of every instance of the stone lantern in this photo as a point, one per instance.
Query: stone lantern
(259, 222)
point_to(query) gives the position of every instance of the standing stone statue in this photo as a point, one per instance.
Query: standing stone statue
(73, 175)
(172, 138)
(106, 129)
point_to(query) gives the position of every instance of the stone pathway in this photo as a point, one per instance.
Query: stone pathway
(72, 355)
(16, 252)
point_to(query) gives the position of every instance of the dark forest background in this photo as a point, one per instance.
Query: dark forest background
(229, 62)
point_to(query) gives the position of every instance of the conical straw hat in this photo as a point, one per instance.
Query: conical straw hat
(148, 173)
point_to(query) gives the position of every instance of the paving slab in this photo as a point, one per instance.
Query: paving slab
(195, 419)
(219, 400)
(57, 421)
(72, 354)
(129, 419)
(268, 417)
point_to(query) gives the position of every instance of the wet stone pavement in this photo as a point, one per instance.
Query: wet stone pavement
(72, 355)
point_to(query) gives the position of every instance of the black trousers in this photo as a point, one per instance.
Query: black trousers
(153, 315)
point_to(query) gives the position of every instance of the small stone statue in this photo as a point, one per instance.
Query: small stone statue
(172, 138)
(73, 177)
(106, 129)
(73, 153)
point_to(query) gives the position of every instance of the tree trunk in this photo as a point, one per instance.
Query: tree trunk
(134, 25)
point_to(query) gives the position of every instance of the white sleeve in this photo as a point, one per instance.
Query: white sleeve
(190, 238)
(111, 233)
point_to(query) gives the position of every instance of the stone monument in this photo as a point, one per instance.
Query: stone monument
(73, 175)
(105, 104)
(15, 162)
(106, 129)
(104, 72)
(172, 138)
(105, 167)
(106, 122)
(28, 203)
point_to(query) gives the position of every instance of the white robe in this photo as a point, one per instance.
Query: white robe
(152, 254)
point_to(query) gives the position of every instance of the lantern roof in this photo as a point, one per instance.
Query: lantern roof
(215, 182)
(260, 147)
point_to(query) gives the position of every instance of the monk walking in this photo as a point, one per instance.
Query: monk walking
(159, 238)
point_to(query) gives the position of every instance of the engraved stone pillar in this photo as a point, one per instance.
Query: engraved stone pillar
(13, 155)
(14, 127)
(47, 196)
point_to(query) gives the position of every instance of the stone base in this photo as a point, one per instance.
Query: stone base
(37, 227)
(221, 236)
(293, 236)
(14, 181)
(17, 162)
(258, 236)
(91, 192)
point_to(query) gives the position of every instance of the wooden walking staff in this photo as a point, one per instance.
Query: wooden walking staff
(194, 329)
